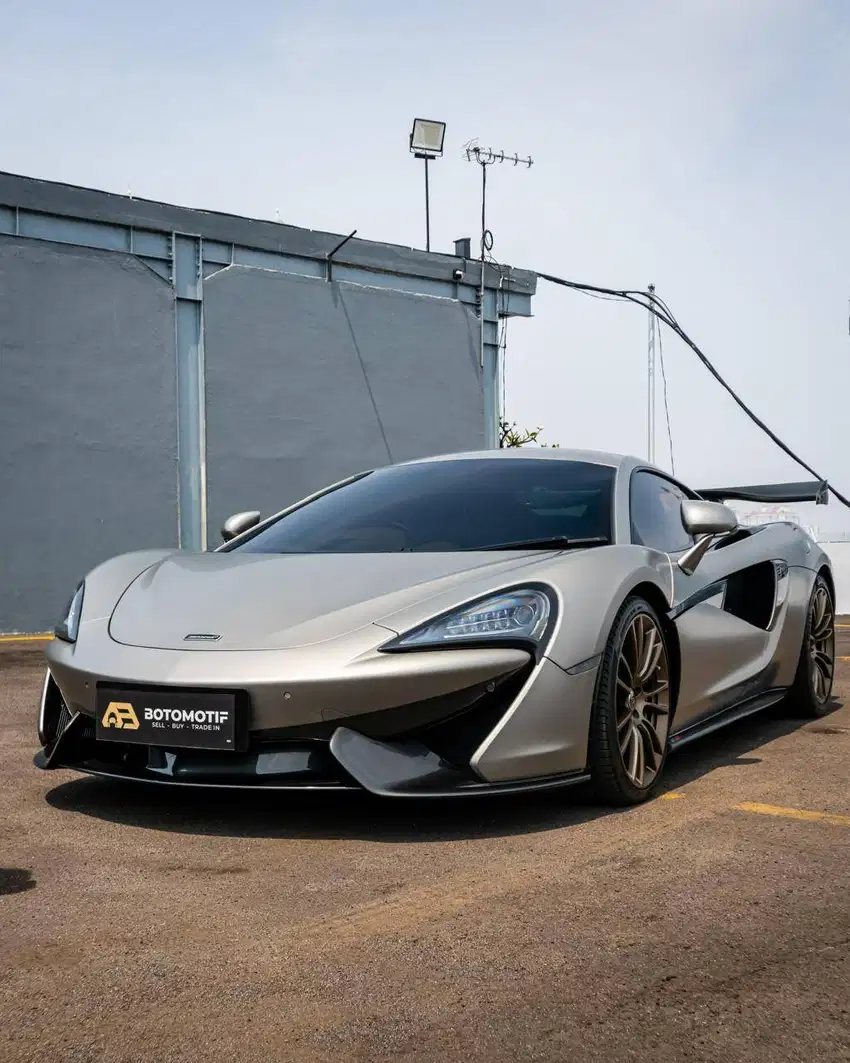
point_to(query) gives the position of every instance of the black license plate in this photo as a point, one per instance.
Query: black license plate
(191, 720)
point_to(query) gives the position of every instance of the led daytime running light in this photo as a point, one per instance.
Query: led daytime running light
(522, 614)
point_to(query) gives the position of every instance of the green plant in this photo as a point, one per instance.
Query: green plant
(511, 436)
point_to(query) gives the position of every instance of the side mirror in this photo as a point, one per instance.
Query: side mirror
(704, 520)
(708, 518)
(238, 523)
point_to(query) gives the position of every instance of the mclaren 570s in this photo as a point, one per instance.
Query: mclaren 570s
(478, 623)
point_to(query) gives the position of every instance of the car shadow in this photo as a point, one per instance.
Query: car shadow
(353, 816)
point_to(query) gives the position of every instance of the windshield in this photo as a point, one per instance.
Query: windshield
(460, 504)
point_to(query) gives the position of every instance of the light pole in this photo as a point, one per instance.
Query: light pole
(426, 142)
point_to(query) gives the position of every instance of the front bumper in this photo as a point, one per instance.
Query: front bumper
(425, 748)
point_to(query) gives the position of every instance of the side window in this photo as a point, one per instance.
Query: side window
(656, 513)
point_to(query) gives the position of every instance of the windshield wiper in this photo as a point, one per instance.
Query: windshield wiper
(552, 542)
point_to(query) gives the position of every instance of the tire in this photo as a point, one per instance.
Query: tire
(615, 717)
(810, 694)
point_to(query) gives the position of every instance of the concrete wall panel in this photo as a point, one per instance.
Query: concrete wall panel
(87, 420)
(308, 382)
(421, 358)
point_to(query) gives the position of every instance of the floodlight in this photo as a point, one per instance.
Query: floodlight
(426, 142)
(426, 138)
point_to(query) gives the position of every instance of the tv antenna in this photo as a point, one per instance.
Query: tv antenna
(485, 157)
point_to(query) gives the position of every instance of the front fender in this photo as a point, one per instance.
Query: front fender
(593, 592)
(545, 731)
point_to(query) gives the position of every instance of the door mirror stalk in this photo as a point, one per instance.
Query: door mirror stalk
(693, 555)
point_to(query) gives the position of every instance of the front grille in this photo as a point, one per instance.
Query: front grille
(57, 715)
(64, 718)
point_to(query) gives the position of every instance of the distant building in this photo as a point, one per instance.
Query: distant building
(774, 514)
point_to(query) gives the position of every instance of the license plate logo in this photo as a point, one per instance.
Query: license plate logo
(122, 715)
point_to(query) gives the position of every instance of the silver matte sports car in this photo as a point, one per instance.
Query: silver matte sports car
(467, 624)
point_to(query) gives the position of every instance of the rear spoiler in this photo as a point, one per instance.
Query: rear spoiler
(806, 491)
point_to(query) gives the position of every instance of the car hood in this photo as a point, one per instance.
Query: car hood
(282, 601)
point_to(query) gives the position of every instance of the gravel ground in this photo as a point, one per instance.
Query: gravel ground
(141, 925)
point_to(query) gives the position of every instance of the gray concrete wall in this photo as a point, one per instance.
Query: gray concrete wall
(88, 461)
(308, 382)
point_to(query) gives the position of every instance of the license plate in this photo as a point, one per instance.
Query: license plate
(191, 720)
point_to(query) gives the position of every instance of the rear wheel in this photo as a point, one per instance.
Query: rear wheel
(631, 709)
(812, 688)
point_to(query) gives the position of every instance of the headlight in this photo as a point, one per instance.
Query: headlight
(520, 614)
(69, 625)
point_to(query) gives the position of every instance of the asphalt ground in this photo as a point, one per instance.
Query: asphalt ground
(710, 924)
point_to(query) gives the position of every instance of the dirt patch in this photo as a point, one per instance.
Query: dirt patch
(15, 880)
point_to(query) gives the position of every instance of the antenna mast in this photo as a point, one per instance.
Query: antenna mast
(486, 157)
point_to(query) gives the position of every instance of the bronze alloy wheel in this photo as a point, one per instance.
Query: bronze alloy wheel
(643, 700)
(821, 646)
(810, 694)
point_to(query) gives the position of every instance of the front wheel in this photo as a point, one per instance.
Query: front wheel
(811, 690)
(631, 708)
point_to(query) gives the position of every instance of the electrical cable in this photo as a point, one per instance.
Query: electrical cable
(664, 314)
(503, 346)
(666, 403)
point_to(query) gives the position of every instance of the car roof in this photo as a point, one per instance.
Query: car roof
(592, 457)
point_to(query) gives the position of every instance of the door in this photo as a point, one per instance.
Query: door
(722, 611)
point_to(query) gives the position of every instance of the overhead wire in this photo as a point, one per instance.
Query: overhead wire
(666, 402)
(663, 313)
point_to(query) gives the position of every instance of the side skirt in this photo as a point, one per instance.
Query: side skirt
(726, 716)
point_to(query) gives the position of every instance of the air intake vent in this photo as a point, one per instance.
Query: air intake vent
(64, 719)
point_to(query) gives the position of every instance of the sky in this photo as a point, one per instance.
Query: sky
(700, 145)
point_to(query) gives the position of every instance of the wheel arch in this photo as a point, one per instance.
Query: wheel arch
(825, 572)
(655, 596)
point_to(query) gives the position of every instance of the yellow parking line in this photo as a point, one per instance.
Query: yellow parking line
(794, 813)
(672, 796)
(25, 638)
